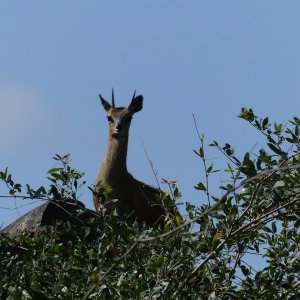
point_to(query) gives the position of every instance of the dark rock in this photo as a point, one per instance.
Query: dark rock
(49, 214)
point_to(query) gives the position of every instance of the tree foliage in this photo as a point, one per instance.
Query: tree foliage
(208, 256)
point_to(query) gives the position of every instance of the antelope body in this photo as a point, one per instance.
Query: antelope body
(130, 192)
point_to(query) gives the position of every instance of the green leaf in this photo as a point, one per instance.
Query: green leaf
(229, 168)
(245, 270)
(54, 170)
(279, 183)
(274, 228)
(201, 152)
(200, 186)
(247, 115)
(265, 123)
(278, 128)
(248, 167)
(275, 149)
(40, 191)
(209, 169)
(290, 140)
(217, 236)
(214, 144)
(57, 176)
(190, 207)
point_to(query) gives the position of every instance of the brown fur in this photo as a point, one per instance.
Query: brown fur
(113, 173)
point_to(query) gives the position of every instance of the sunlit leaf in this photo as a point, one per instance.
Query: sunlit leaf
(217, 236)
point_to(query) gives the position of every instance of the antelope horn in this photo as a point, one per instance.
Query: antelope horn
(113, 98)
(133, 95)
(101, 98)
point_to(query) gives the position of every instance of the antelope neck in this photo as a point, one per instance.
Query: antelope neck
(116, 154)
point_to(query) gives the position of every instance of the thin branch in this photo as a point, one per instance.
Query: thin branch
(151, 164)
(24, 197)
(257, 222)
(237, 262)
(204, 161)
(53, 202)
(255, 192)
(230, 235)
(20, 206)
(227, 156)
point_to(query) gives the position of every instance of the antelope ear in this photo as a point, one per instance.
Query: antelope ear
(136, 104)
(105, 104)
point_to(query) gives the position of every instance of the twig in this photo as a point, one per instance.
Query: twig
(255, 192)
(53, 202)
(20, 206)
(151, 164)
(203, 160)
(230, 235)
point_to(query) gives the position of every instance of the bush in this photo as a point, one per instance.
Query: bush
(206, 256)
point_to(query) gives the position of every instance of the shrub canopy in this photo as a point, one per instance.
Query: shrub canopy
(206, 255)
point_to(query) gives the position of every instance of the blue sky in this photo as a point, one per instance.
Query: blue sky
(209, 58)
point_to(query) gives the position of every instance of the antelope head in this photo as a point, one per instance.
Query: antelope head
(119, 118)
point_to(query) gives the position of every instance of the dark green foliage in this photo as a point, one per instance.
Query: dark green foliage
(208, 257)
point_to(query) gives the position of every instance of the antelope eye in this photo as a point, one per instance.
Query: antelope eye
(110, 119)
